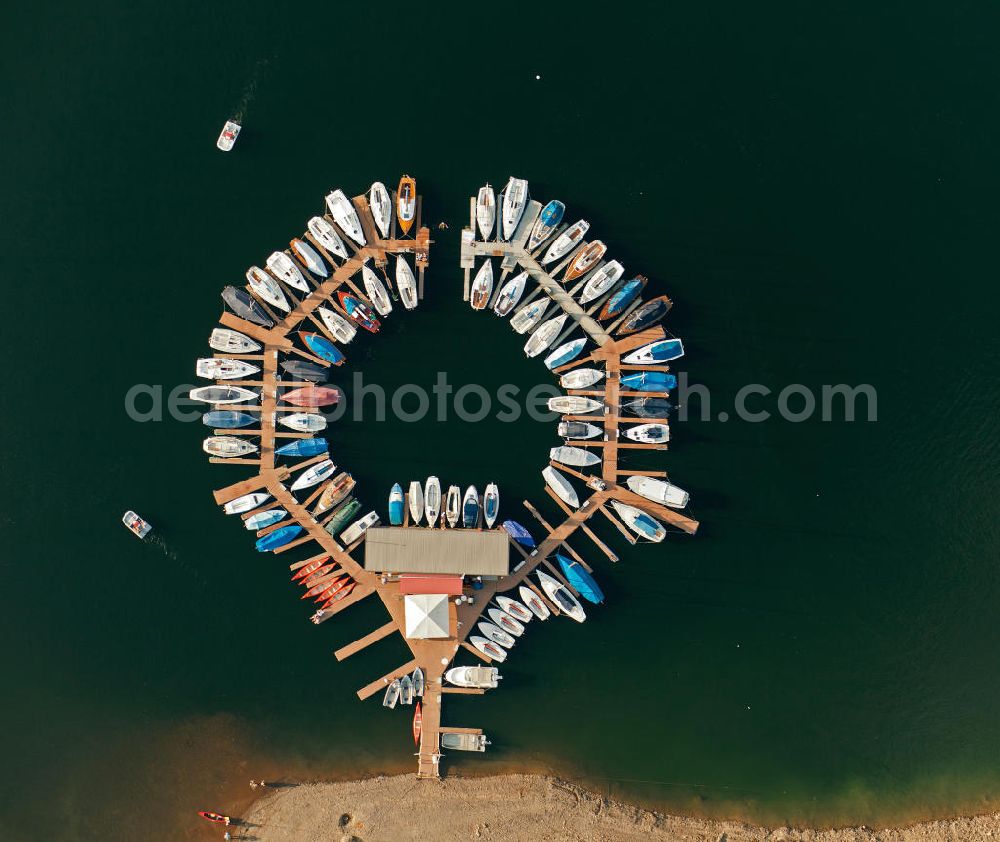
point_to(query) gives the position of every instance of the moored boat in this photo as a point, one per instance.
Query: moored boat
(416, 501)
(504, 621)
(304, 573)
(483, 678)
(396, 505)
(334, 492)
(406, 283)
(581, 378)
(491, 504)
(496, 634)
(222, 394)
(578, 430)
(246, 503)
(585, 261)
(661, 351)
(515, 198)
(561, 486)
(342, 515)
(214, 368)
(573, 404)
(645, 315)
(309, 257)
(228, 419)
(565, 353)
(650, 433)
(562, 598)
(381, 207)
(659, 491)
(405, 690)
(619, 300)
(227, 139)
(639, 522)
(649, 381)
(547, 222)
(277, 539)
(326, 235)
(576, 456)
(376, 291)
(417, 679)
(228, 447)
(322, 347)
(261, 520)
(482, 286)
(432, 500)
(515, 609)
(305, 370)
(601, 281)
(529, 315)
(341, 328)
(470, 507)
(534, 603)
(418, 722)
(488, 648)
(139, 527)
(266, 288)
(244, 306)
(345, 215)
(649, 407)
(359, 311)
(313, 475)
(544, 335)
(211, 815)
(312, 396)
(406, 203)
(510, 294)
(519, 534)
(303, 448)
(453, 505)
(391, 696)
(486, 211)
(358, 528)
(232, 342)
(464, 742)
(303, 422)
(287, 270)
(566, 242)
(576, 574)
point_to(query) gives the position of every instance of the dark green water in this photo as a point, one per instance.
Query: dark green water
(816, 190)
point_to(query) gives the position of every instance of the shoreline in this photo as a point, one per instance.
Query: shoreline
(525, 806)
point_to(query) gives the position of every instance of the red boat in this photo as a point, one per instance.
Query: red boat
(312, 396)
(312, 567)
(332, 589)
(314, 577)
(337, 596)
(418, 722)
(315, 589)
(218, 818)
(359, 311)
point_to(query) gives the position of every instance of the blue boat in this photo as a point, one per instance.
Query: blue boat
(576, 574)
(396, 505)
(228, 419)
(322, 347)
(626, 294)
(565, 353)
(278, 538)
(303, 448)
(548, 219)
(470, 507)
(649, 381)
(662, 351)
(519, 534)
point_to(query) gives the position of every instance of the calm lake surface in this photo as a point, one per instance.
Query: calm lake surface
(815, 188)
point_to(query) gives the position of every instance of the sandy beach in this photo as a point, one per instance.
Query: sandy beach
(525, 807)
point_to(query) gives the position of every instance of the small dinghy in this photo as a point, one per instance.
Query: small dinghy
(482, 678)
(578, 430)
(342, 330)
(566, 242)
(578, 457)
(266, 288)
(225, 143)
(482, 286)
(288, 271)
(417, 679)
(418, 721)
(309, 258)
(211, 815)
(619, 301)
(136, 524)
(406, 283)
(396, 505)
(639, 522)
(232, 342)
(376, 291)
(391, 694)
(504, 621)
(313, 475)
(662, 351)
(359, 311)
(562, 598)
(529, 315)
(335, 492)
(432, 500)
(228, 447)
(581, 378)
(244, 306)
(381, 207)
(261, 520)
(585, 261)
(322, 347)
(312, 396)
(515, 197)
(547, 222)
(304, 370)
(510, 294)
(303, 448)
(222, 394)
(228, 419)
(650, 433)
(649, 381)
(416, 501)
(303, 422)
(519, 534)
(601, 281)
(561, 486)
(405, 691)
(358, 528)
(659, 491)
(534, 603)
(213, 368)
(565, 353)
(544, 336)
(573, 404)
(515, 609)
(576, 574)
(453, 506)
(496, 634)
(645, 316)
(464, 742)
(246, 503)
(491, 504)
(470, 507)
(486, 211)
(488, 648)
(649, 407)
(344, 214)
(406, 203)
(326, 235)
(277, 539)
(342, 516)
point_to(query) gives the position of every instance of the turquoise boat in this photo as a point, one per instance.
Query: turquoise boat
(565, 353)
(649, 381)
(396, 505)
(322, 347)
(228, 419)
(278, 538)
(576, 574)
(261, 520)
(303, 448)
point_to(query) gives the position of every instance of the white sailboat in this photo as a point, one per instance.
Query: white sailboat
(515, 197)
(544, 336)
(381, 207)
(284, 267)
(579, 430)
(406, 283)
(432, 500)
(566, 241)
(577, 457)
(515, 609)
(561, 486)
(416, 500)
(659, 491)
(246, 503)
(510, 294)
(326, 235)
(267, 288)
(561, 597)
(639, 522)
(529, 315)
(581, 378)
(310, 258)
(534, 602)
(313, 475)
(376, 291)
(601, 281)
(303, 422)
(573, 404)
(488, 648)
(345, 215)
(486, 211)
(231, 342)
(453, 506)
(228, 447)
(650, 433)
(496, 634)
(213, 368)
(505, 621)
(222, 394)
(482, 286)
(340, 327)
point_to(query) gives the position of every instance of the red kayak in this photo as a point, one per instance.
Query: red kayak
(418, 721)
(316, 589)
(312, 396)
(314, 578)
(333, 588)
(339, 595)
(312, 567)
(218, 818)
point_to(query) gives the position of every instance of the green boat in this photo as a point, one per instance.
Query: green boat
(343, 516)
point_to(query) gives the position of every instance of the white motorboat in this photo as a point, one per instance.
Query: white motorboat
(391, 696)
(544, 336)
(228, 447)
(358, 528)
(266, 288)
(601, 281)
(573, 404)
(406, 283)
(639, 522)
(515, 609)
(561, 486)
(303, 422)
(416, 495)
(578, 430)
(488, 648)
(405, 690)
(566, 241)
(381, 207)
(231, 342)
(432, 500)
(464, 742)
(529, 315)
(341, 328)
(228, 135)
(284, 268)
(326, 235)
(345, 215)
(222, 394)
(310, 258)
(417, 677)
(515, 197)
(483, 678)
(214, 368)
(453, 506)
(659, 491)
(139, 527)
(577, 457)
(246, 503)
(534, 603)
(314, 475)
(510, 294)
(491, 504)
(486, 211)
(561, 597)
(482, 286)
(376, 291)
(581, 378)
(496, 634)
(654, 433)
(504, 621)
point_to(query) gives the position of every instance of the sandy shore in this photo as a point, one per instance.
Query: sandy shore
(524, 807)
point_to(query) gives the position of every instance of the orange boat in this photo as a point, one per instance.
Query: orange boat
(310, 568)
(418, 722)
(586, 260)
(212, 816)
(339, 595)
(406, 203)
(332, 589)
(322, 586)
(314, 577)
